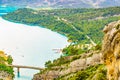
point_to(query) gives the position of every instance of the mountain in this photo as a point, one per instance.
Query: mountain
(62, 3)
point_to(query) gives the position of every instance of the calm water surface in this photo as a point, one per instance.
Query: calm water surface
(29, 45)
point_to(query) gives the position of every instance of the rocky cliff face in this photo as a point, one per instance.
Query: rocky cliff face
(69, 69)
(111, 50)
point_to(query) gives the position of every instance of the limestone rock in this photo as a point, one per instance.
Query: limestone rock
(5, 76)
(86, 60)
(111, 50)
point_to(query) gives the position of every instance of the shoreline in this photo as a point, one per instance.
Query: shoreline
(32, 25)
(18, 48)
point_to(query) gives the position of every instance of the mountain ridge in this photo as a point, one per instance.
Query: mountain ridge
(62, 3)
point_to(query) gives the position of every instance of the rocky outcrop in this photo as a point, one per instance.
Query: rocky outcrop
(6, 73)
(111, 50)
(86, 60)
(5, 76)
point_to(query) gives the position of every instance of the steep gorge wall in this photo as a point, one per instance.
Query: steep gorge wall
(111, 50)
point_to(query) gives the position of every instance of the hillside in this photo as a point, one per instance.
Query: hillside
(76, 24)
(6, 73)
(86, 66)
(62, 3)
(95, 64)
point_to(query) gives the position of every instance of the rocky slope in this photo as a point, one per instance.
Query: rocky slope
(111, 50)
(68, 70)
(6, 73)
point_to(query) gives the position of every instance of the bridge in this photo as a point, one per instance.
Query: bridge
(28, 67)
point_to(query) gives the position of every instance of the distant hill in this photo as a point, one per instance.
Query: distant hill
(62, 3)
(73, 23)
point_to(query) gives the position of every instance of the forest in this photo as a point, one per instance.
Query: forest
(73, 23)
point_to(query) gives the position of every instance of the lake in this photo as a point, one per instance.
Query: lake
(5, 9)
(29, 45)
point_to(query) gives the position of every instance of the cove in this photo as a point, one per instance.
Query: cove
(29, 45)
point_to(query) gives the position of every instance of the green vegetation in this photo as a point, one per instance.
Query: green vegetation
(63, 60)
(58, 62)
(97, 72)
(7, 69)
(73, 50)
(73, 23)
(4, 61)
(9, 60)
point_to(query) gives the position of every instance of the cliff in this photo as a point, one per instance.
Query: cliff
(111, 50)
(89, 63)
(6, 73)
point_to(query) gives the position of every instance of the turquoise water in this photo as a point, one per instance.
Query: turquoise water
(29, 45)
(6, 9)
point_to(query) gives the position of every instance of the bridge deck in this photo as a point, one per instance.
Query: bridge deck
(29, 67)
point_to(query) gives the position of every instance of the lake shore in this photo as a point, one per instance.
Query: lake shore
(21, 40)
